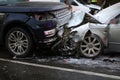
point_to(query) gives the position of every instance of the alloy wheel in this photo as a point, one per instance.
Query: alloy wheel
(18, 42)
(91, 46)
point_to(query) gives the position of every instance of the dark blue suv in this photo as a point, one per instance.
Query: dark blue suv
(26, 25)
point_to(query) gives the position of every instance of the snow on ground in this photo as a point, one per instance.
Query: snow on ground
(112, 63)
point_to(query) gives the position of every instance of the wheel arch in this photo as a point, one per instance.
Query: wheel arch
(87, 33)
(96, 33)
(14, 24)
(101, 36)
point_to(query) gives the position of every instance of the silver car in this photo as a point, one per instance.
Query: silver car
(101, 32)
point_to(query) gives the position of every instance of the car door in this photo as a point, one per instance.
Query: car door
(114, 34)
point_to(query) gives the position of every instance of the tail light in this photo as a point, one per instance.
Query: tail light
(50, 27)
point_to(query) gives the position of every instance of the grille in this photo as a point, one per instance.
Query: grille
(63, 16)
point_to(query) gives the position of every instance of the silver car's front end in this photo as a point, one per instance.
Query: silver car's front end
(92, 28)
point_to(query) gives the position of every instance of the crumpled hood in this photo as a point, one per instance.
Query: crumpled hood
(105, 15)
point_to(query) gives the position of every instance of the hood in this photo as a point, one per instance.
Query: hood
(105, 15)
(77, 17)
(32, 7)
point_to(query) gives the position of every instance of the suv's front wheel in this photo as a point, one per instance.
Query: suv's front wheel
(19, 42)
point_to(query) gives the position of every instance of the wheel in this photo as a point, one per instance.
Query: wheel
(91, 46)
(19, 42)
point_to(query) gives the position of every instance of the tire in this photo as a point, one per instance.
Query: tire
(19, 42)
(91, 46)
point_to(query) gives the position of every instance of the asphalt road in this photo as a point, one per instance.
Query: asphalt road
(37, 68)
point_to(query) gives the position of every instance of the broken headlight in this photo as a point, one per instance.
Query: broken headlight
(50, 33)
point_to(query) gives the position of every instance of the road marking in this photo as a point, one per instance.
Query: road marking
(63, 69)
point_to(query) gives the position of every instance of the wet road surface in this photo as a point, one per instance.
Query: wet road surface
(55, 67)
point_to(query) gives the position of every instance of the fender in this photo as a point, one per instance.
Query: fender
(103, 32)
(16, 17)
(8, 19)
(12, 18)
(26, 20)
(82, 31)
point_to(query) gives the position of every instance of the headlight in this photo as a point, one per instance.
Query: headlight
(75, 36)
(50, 33)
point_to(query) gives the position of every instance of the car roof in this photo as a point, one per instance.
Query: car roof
(105, 15)
(32, 7)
